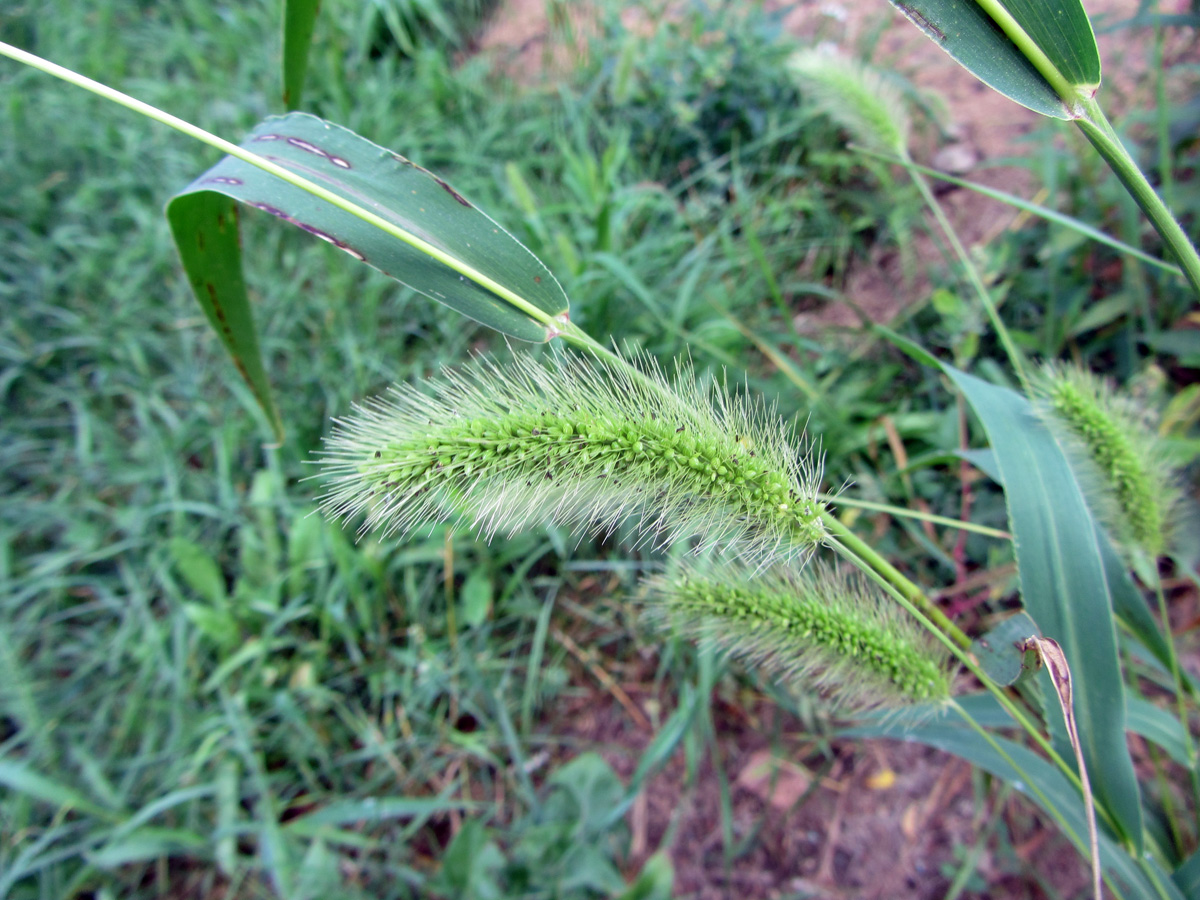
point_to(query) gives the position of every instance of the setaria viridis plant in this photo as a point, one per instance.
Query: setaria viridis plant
(591, 446)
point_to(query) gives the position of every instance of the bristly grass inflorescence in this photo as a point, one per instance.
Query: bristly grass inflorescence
(822, 628)
(859, 98)
(1124, 471)
(573, 442)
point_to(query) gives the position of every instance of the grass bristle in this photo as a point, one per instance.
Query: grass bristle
(817, 630)
(571, 442)
(857, 97)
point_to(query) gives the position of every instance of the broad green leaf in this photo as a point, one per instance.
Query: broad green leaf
(655, 882)
(205, 228)
(591, 789)
(1128, 603)
(472, 864)
(999, 651)
(147, 844)
(1063, 585)
(199, 570)
(22, 780)
(1159, 726)
(1038, 779)
(1187, 876)
(1061, 30)
(387, 212)
(299, 19)
(476, 598)
(1040, 52)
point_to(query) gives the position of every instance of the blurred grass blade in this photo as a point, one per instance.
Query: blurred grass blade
(397, 217)
(299, 19)
(1063, 585)
(659, 751)
(1040, 53)
(1158, 726)
(1041, 212)
(373, 810)
(1187, 876)
(1042, 783)
(146, 844)
(23, 780)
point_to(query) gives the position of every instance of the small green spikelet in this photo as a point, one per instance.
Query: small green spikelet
(859, 98)
(571, 442)
(820, 629)
(1124, 472)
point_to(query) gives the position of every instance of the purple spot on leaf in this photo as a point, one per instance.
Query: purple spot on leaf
(278, 213)
(340, 163)
(317, 232)
(273, 210)
(307, 146)
(222, 179)
(452, 192)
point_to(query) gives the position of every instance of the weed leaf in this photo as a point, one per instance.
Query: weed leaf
(1063, 584)
(299, 19)
(423, 233)
(1041, 54)
(999, 651)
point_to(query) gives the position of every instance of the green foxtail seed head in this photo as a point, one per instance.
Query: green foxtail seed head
(569, 441)
(822, 629)
(1123, 469)
(857, 97)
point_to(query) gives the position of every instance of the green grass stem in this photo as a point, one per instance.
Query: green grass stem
(1097, 129)
(846, 549)
(1015, 357)
(903, 512)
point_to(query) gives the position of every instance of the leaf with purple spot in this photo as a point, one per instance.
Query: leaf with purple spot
(390, 213)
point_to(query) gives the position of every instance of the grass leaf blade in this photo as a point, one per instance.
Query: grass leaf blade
(1063, 583)
(205, 228)
(1043, 58)
(299, 20)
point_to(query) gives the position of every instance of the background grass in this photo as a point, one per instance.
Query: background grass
(207, 690)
